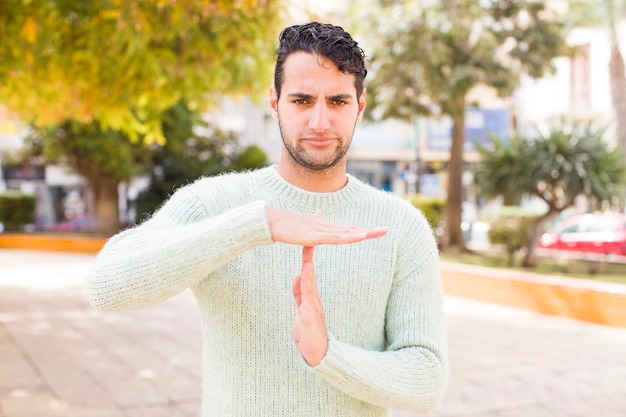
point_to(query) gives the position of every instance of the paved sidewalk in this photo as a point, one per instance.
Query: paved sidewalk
(59, 357)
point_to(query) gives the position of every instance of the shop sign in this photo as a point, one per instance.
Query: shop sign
(23, 173)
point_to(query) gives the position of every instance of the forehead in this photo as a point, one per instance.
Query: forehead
(310, 72)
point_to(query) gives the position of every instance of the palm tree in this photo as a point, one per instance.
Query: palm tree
(497, 176)
(559, 163)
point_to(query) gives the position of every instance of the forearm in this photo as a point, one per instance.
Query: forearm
(145, 265)
(411, 373)
(412, 379)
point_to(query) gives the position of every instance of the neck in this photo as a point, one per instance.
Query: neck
(322, 181)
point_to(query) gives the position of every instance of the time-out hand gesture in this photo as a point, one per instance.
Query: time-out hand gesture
(309, 327)
(312, 229)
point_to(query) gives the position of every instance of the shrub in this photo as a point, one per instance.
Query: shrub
(431, 207)
(16, 210)
(510, 230)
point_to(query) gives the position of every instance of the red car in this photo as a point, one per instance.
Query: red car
(596, 233)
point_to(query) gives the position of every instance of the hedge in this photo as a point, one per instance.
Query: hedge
(16, 210)
(431, 207)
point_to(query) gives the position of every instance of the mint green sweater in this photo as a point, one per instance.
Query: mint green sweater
(382, 297)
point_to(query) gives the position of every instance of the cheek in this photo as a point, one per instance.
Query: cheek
(293, 119)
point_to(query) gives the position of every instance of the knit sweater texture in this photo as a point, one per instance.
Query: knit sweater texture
(382, 297)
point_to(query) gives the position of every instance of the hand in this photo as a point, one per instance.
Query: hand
(309, 327)
(312, 229)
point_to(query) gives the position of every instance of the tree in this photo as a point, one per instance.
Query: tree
(431, 54)
(104, 157)
(95, 77)
(121, 64)
(193, 149)
(497, 175)
(558, 164)
(511, 232)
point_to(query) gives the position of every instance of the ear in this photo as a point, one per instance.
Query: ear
(274, 102)
(362, 106)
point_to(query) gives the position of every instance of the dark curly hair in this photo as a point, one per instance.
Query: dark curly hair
(325, 40)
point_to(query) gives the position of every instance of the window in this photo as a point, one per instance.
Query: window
(579, 80)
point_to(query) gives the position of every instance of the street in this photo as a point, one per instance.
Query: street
(59, 357)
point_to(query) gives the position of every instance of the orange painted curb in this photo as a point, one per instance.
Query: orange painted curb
(55, 243)
(592, 301)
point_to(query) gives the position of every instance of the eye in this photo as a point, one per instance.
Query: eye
(339, 102)
(300, 101)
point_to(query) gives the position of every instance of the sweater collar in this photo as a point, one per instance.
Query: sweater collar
(307, 199)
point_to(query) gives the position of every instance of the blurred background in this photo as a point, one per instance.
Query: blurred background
(500, 120)
(503, 121)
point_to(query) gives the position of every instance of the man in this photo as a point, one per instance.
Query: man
(354, 330)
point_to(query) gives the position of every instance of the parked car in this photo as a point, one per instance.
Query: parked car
(595, 233)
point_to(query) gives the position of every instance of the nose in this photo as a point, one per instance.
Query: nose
(319, 120)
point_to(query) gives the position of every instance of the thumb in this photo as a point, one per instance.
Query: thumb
(295, 289)
(307, 255)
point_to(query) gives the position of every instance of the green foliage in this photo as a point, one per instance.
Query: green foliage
(123, 63)
(16, 210)
(571, 160)
(572, 268)
(435, 52)
(491, 214)
(250, 158)
(193, 149)
(497, 172)
(88, 149)
(103, 157)
(557, 164)
(603, 13)
(431, 207)
(510, 230)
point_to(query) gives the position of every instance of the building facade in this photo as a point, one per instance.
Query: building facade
(399, 157)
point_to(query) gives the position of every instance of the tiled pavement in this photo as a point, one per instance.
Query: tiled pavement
(59, 357)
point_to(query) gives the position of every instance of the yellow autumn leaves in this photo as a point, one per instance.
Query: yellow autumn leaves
(124, 63)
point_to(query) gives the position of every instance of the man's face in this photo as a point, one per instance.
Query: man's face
(317, 111)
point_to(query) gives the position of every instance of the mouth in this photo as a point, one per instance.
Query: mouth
(319, 142)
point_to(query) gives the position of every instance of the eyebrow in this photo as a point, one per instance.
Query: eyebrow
(342, 96)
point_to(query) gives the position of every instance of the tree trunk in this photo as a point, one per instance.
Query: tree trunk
(531, 259)
(453, 239)
(617, 78)
(107, 204)
(511, 258)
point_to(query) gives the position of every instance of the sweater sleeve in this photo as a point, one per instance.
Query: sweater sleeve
(179, 246)
(411, 374)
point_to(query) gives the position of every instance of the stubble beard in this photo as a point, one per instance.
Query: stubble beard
(302, 157)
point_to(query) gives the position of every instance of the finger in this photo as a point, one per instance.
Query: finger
(308, 284)
(322, 225)
(295, 289)
(307, 274)
(307, 255)
(330, 228)
(340, 236)
(377, 232)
